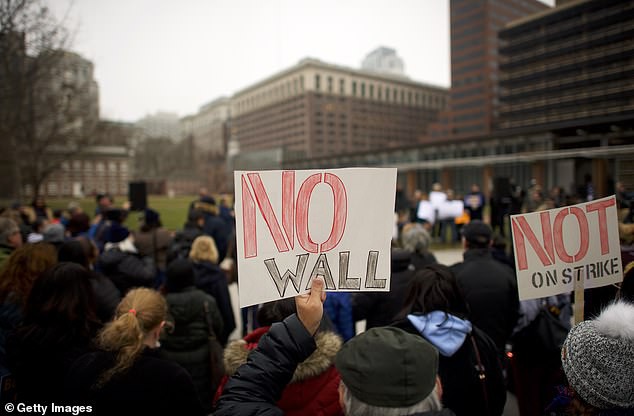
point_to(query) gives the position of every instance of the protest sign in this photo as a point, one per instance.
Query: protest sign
(565, 248)
(292, 226)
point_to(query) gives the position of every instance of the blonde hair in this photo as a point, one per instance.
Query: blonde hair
(204, 249)
(140, 311)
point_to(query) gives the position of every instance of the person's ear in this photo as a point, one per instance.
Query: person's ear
(439, 388)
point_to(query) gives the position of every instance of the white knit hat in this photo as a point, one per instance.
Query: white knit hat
(598, 358)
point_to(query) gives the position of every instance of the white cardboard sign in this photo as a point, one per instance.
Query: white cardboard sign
(561, 248)
(292, 226)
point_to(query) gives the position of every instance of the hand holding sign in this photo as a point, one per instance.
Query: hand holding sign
(310, 306)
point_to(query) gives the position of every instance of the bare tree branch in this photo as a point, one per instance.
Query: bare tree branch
(48, 97)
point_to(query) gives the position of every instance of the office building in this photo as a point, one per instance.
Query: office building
(316, 109)
(474, 73)
(568, 72)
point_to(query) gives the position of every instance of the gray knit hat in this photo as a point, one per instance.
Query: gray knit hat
(598, 358)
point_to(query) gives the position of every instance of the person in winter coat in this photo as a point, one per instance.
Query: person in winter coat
(338, 307)
(153, 240)
(84, 252)
(17, 276)
(380, 308)
(127, 375)
(122, 264)
(185, 340)
(209, 278)
(10, 238)
(215, 227)
(313, 387)
(469, 366)
(384, 371)
(416, 240)
(58, 327)
(489, 287)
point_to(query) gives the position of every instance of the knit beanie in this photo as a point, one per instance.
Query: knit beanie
(598, 358)
(388, 367)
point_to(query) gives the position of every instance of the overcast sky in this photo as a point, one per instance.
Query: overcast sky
(167, 55)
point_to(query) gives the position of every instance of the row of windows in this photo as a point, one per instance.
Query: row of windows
(467, 93)
(65, 188)
(89, 166)
(478, 53)
(276, 92)
(382, 93)
(471, 79)
(469, 116)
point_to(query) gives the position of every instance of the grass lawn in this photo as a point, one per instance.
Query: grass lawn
(173, 210)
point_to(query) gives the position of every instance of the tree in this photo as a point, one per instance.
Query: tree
(48, 97)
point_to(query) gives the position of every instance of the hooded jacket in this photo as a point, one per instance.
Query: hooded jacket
(457, 367)
(313, 389)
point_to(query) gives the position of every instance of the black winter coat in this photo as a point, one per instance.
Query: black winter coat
(40, 358)
(151, 386)
(127, 270)
(490, 289)
(461, 386)
(186, 341)
(380, 308)
(107, 297)
(258, 384)
(213, 281)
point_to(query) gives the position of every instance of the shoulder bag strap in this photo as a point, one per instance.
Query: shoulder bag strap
(481, 373)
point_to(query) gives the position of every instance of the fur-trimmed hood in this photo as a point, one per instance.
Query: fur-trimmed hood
(328, 344)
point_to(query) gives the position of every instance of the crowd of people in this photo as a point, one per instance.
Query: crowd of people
(92, 313)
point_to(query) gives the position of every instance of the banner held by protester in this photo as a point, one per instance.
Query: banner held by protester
(563, 249)
(294, 225)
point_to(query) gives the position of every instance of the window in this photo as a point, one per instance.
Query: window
(395, 95)
(316, 82)
(87, 166)
(402, 97)
(330, 84)
(301, 83)
(123, 167)
(52, 188)
(387, 94)
(371, 91)
(101, 167)
(354, 88)
(76, 165)
(342, 86)
(363, 89)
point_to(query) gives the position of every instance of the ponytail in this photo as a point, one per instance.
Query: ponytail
(140, 311)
